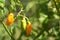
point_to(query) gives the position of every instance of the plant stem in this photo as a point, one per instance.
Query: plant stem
(19, 13)
(24, 16)
(7, 30)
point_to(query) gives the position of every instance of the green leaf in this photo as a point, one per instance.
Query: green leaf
(42, 1)
(19, 3)
(29, 5)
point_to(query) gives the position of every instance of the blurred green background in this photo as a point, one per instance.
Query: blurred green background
(43, 14)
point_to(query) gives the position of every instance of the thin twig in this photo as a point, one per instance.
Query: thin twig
(19, 13)
(7, 30)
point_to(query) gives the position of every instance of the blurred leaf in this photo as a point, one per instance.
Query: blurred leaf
(18, 3)
(42, 1)
(29, 5)
(1, 8)
(13, 31)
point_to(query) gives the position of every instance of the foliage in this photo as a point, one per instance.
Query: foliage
(44, 16)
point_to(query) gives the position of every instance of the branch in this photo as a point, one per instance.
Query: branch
(7, 31)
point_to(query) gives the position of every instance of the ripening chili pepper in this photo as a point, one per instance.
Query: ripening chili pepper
(10, 18)
(28, 28)
(24, 23)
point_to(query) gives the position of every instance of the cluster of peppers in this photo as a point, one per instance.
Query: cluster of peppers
(27, 26)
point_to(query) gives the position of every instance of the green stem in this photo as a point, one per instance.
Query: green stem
(24, 16)
(7, 30)
(19, 13)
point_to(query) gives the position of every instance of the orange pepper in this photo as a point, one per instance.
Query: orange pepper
(28, 29)
(10, 18)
